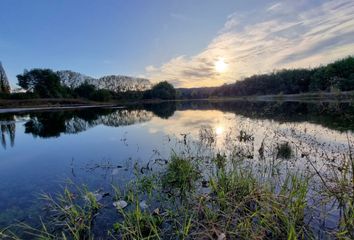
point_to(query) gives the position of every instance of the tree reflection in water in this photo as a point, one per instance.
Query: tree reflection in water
(335, 115)
(8, 128)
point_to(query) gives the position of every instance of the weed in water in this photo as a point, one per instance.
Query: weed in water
(180, 174)
(139, 224)
(284, 150)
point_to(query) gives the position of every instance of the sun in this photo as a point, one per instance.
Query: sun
(220, 65)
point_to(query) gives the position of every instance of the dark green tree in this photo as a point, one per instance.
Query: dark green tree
(101, 95)
(43, 82)
(85, 90)
(163, 90)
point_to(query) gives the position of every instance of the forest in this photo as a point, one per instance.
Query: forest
(334, 77)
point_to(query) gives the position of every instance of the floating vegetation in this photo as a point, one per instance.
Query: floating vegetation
(207, 135)
(284, 150)
(245, 137)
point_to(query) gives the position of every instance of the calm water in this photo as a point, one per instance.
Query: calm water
(42, 150)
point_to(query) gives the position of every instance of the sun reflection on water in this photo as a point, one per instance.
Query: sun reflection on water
(219, 130)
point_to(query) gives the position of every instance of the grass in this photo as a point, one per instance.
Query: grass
(72, 214)
(240, 201)
(138, 224)
(180, 175)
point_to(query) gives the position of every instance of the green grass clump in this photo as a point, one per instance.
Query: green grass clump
(139, 224)
(146, 184)
(232, 185)
(74, 212)
(220, 161)
(68, 215)
(181, 174)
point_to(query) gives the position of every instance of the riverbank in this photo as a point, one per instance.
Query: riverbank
(45, 102)
(10, 106)
(317, 96)
(303, 97)
(48, 104)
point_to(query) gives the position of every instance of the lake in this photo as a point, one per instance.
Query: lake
(41, 151)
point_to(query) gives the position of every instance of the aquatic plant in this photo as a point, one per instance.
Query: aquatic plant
(181, 174)
(284, 150)
(139, 224)
(244, 136)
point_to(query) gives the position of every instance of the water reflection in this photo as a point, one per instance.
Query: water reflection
(52, 124)
(8, 128)
(337, 116)
(334, 115)
(163, 110)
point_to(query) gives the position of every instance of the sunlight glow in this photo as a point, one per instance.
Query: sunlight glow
(219, 130)
(220, 65)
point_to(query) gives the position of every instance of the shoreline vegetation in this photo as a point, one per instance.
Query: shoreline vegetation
(200, 193)
(55, 103)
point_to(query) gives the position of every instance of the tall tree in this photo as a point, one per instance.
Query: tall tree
(4, 82)
(43, 82)
(163, 90)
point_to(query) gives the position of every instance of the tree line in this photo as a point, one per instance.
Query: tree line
(45, 83)
(337, 76)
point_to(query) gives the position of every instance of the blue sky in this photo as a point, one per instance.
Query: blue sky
(175, 40)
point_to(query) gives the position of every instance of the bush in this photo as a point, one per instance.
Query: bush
(18, 96)
(85, 90)
(101, 95)
(162, 90)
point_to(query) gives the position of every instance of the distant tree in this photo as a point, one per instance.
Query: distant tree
(163, 90)
(347, 84)
(101, 95)
(147, 94)
(89, 91)
(43, 82)
(85, 90)
(4, 82)
(337, 76)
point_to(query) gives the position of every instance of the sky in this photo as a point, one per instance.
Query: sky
(190, 43)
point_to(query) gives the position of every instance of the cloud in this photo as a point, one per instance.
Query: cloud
(286, 34)
(150, 68)
(274, 7)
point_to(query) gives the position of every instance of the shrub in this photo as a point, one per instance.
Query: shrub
(101, 95)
